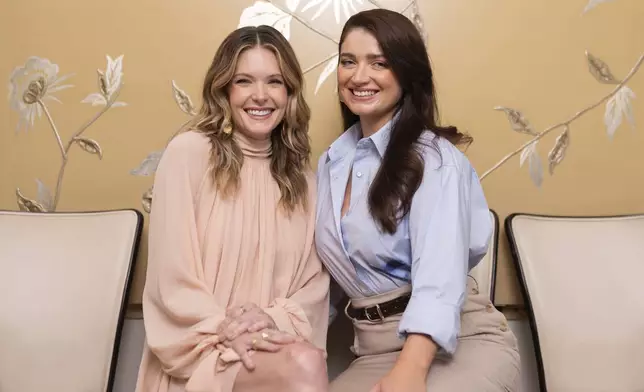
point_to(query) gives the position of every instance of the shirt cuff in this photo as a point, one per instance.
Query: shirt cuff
(289, 317)
(433, 318)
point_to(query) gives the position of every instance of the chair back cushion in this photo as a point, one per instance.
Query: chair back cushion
(582, 284)
(484, 273)
(64, 279)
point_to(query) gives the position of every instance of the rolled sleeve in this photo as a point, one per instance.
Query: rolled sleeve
(433, 318)
(440, 224)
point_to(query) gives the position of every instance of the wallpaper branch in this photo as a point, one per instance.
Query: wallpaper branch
(53, 127)
(618, 105)
(34, 83)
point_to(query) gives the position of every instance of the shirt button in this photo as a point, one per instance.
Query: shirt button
(359, 174)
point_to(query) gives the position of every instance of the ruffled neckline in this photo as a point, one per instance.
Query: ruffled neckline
(253, 147)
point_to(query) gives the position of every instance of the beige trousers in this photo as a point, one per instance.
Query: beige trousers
(486, 359)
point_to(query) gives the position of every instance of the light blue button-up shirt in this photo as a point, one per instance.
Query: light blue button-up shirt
(446, 233)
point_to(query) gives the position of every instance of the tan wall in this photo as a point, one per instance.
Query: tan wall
(524, 55)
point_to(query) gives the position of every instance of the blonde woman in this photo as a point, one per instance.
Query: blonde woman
(235, 297)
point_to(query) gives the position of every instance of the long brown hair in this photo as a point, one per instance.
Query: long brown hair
(401, 172)
(291, 148)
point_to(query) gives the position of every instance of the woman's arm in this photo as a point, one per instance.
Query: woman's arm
(180, 315)
(441, 232)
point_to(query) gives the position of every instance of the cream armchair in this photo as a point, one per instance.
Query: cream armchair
(582, 284)
(64, 280)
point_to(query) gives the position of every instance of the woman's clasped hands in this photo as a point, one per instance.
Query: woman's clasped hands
(248, 328)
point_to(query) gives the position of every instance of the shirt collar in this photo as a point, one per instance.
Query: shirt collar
(350, 138)
(345, 143)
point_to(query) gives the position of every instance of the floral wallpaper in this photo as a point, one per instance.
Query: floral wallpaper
(618, 101)
(32, 88)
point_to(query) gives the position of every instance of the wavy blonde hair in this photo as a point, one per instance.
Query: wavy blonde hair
(291, 147)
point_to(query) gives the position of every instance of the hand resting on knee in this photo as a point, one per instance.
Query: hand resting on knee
(247, 328)
(244, 318)
(267, 340)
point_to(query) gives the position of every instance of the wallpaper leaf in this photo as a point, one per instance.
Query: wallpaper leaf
(517, 120)
(89, 145)
(29, 205)
(617, 107)
(149, 165)
(594, 3)
(146, 200)
(329, 69)
(183, 100)
(558, 152)
(292, 5)
(342, 9)
(265, 13)
(113, 75)
(44, 197)
(600, 70)
(535, 167)
(95, 99)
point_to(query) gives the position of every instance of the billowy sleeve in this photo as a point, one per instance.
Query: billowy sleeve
(180, 314)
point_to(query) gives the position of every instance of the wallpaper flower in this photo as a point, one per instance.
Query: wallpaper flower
(31, 86)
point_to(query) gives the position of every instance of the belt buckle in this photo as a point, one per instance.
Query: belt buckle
(378, 310)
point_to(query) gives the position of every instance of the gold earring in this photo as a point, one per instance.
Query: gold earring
(228, 127)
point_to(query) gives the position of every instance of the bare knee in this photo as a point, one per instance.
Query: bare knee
(306, 363)
(297, 367)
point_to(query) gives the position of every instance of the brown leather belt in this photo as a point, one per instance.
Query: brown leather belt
(380, 311)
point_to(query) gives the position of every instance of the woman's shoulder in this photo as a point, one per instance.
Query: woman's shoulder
(190, 147)
(189, 142)
(439, 152)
